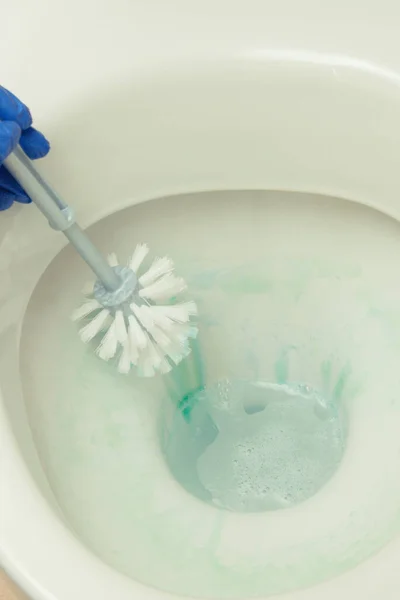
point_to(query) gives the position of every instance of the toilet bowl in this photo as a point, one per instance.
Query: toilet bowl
(260, 151)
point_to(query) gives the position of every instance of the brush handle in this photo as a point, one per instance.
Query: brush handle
(60, 216)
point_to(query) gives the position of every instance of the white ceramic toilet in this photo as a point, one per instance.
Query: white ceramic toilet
(258, 144)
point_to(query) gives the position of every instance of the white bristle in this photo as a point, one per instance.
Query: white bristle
(85, 309)
(109, 344)
(142, 316)
(148, 336)
(181, 332)
(107, 323)
(175, 352)
(176, 312)
(145, 316)
(137, 334)
(120, 327)
(145, 364)
(154, 355)
(147, 370)
(88, 288)
(138, 256)
(133, 345)
(112, 260)
(90, 330)
(160, 267)
(161, 320)
(124, 365)
(151, 360)
(159, 337)
(165, 366)
(164, 288)
(186, 351)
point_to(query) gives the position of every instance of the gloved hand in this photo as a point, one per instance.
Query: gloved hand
(15, 127)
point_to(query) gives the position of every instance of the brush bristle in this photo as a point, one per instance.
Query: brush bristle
(124, 364)
(109, 344)
(84, 310)
(89, 331)
(141, 333)
(160, 267)
(112, 260)
(164, 288)
(138, 257)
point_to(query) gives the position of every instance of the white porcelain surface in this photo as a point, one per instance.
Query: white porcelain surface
(143, 100)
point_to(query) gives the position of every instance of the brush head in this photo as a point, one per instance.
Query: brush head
(139, 324)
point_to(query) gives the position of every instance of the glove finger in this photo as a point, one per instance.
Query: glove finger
(6, 200)
(12, 109)
(10, 190)
(33, 143)
(10, 133)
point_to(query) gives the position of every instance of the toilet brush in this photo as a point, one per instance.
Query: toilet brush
(121, 306)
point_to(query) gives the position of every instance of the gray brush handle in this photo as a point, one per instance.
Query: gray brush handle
(60, 216)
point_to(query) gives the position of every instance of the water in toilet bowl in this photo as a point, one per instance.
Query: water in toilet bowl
(300, 326)
(260, 446)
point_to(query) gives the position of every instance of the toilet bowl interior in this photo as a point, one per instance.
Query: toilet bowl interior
(293, 289)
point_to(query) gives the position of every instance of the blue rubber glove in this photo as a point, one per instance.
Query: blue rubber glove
(15, 127)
